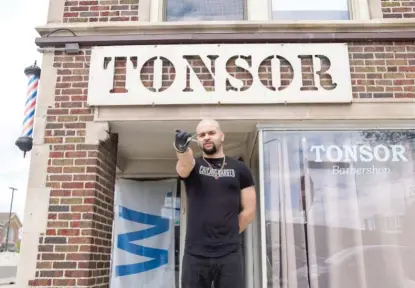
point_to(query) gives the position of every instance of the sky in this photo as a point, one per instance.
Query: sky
(17, 26)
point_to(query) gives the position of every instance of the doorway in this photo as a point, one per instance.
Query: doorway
(144, 175)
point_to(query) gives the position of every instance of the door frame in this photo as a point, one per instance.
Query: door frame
(183, 225)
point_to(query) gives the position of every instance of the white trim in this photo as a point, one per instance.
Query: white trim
(359, 9)
(249, 234)
(258, 10)
(338, 125)
(183, 227)
(262, 209)
(156, 10)
(144, 10)
(258, 26)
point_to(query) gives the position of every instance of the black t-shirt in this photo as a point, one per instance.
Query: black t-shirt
(214, 205)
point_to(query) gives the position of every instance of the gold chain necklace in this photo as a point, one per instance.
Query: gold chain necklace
(221, 168)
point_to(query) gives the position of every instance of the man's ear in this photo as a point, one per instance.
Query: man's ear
(223, 137)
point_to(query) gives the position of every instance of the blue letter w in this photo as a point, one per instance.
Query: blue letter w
(159, 256)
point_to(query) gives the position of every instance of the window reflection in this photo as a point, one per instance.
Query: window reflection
(338, 208)
(205, 10)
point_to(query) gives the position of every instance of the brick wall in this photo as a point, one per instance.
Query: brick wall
(100, 10)
(383, 69)
(398, 8)
(75, 250)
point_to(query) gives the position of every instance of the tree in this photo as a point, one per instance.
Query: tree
(387, 137)
(18, 246)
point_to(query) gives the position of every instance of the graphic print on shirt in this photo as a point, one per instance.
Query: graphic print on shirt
(212, 172)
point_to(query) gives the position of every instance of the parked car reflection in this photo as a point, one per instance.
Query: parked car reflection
(365, 266)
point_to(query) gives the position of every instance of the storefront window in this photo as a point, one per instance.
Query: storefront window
(204, 10)
(340, 209)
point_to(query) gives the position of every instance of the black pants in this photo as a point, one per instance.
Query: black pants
(223, 272)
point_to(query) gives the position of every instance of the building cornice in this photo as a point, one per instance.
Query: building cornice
(128, 33)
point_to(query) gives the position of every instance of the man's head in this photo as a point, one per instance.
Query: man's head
(210, 136)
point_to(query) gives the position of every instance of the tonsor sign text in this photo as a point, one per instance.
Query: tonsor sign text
(319, 73)
(358, 153)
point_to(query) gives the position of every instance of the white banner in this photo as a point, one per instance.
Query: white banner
(143, 241)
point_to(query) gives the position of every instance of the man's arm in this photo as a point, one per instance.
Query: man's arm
(248, 198)
(248, 202)
(185, 163)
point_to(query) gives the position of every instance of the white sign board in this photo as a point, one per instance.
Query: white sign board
(225, 74)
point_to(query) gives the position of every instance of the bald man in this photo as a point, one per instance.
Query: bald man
(221, 204)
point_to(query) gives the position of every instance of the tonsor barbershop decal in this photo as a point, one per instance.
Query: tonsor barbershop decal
(365, 154)
(224, 74)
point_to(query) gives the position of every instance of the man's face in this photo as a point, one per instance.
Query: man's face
(209, 138)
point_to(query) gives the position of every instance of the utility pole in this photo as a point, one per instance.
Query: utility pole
(10, 215)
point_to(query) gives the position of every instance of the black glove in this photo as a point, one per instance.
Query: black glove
(182, 141)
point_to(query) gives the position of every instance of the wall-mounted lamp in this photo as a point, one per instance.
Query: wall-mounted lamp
(70, 48)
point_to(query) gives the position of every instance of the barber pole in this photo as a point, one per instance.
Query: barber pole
(25, 142)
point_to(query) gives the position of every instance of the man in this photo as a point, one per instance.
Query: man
(221, 204)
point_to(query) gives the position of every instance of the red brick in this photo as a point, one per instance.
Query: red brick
(78, 256)
(64, 265)
(44, 265)
(72, 185)
(69, 216)
(68, 232)
(83, 193)
(78, 274)
(60, 193)
(67, 248)
(75, 154)
(53, 256)
(54, 170)
(60, 178)
(55, 224)
(82, 208)
(79, 240)
(51, 274)
(51, 232)
(40, 282)
(64, 282)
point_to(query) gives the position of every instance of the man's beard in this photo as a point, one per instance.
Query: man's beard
(211, 150)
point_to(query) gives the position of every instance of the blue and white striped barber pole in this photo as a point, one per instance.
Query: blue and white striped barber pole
(25, 142)
(143, 253)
